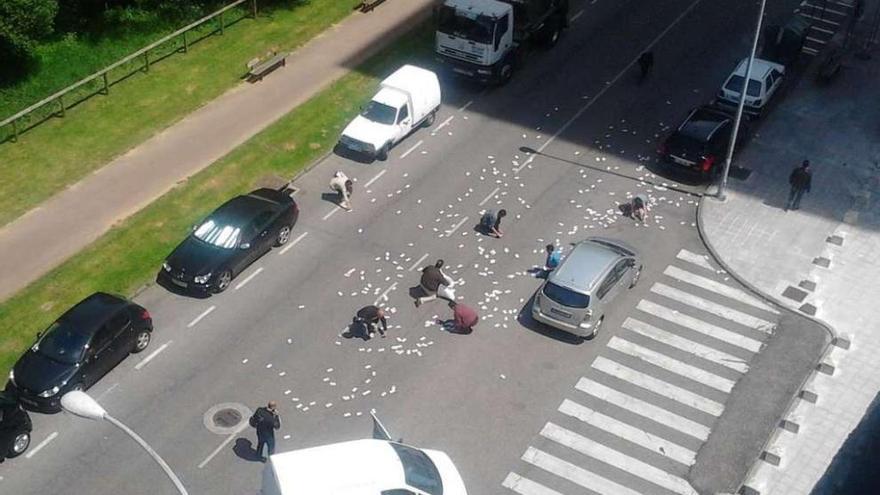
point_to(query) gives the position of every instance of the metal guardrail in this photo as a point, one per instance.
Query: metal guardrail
(58, 98)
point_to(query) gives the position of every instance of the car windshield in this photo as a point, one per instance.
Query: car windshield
(62, 343)
(478, 28)
(379, 112)
(418, 470)
(218, 234)
(566, 297)
(735, 84)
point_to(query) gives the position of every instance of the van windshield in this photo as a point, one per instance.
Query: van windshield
(418, 469)
(566, 297)
(379, 112)
(478, 29)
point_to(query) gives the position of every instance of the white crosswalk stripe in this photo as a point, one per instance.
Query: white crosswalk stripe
(575, 474)
(697, 259)
(700, 326)
(718, 287)
(525, 486)
(712, 307)
(689, 346)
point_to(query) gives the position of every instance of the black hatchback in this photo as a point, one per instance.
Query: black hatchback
(232, 237)
(15, 428)
(696, 149)
(80, 347)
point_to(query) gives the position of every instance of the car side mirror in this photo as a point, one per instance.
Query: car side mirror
(245, 245)
(630, 263)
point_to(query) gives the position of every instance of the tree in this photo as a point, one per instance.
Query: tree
(22, 24)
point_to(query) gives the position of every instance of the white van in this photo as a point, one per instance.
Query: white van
(406, 99)
(362, 467)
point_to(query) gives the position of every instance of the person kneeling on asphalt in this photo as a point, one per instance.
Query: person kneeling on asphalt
(491, 222)
(464, 318)
(639, 207)
(373, 320)
(433, 283)
(554, 256)
(343, 186)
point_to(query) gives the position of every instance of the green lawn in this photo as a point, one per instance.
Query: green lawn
(130, 255)
(61, 151)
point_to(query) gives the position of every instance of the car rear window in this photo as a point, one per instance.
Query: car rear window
(566, 297)
(735, 84)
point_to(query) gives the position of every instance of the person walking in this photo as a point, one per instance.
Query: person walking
(464, 318)
(554, 256)
(343, 186)
(373, 318)
(265, 420)
(433, 280)
(800, 180)
(646, 63)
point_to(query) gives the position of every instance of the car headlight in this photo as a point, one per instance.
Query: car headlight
(166, 266)
(49, 393)
(202, 279)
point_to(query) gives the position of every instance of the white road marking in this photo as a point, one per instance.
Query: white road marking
(384, 296)
(821, 19)
(686, 345)
(672, 365)
(712, 307)
(33, 452)
(407, 152)
(606, 88)
(575, 474)
(644, 409)
(332, 212)
(152, 355)
(418, 262)
(576, 15)
(717, 287)
(249, 278)
(104, 393)
(380, 174)
(294, 242)
(244, 424)
(525, 486)
(658, 386)
(456, 226)
(699, 326)
(465, 106)
(617, 459)
(490, 196)
(696, 259)
(197, 319)
(629, 433)
(444, 123)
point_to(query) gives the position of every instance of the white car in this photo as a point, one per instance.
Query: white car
(764, 82)
(362, 467)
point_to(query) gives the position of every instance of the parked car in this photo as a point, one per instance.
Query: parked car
(15, 427)
(697, 147)
(578, 293)
(80, 347)
(764, 82)
(232, 237)
(406, 100)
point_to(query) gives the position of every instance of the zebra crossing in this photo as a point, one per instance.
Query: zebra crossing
(635, 420)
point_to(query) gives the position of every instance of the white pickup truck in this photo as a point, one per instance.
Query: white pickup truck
(406, 100)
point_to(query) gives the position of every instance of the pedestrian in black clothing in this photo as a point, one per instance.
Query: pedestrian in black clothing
(646, 63)
(265, 420)
(434, 281)
(373, 319)
(496, 226)
(800, 180)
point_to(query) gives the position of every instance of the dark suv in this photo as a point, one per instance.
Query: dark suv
(696, 149)
(80, 347)
(15, 428)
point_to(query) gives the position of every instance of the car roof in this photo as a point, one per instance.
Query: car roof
(242, 209)
(702, 123)
(585, 264)
(90, 313)
(760, 68)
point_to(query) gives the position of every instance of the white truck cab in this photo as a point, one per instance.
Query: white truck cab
(407, 99)
(362, 467)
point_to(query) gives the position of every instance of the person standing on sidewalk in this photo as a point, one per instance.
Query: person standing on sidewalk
(800, 180)
(265, 420)
(343, 186)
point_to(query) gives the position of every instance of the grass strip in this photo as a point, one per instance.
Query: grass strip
(61, 151)
(129, 255)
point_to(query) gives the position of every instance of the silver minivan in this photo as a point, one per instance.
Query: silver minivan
(577, 294)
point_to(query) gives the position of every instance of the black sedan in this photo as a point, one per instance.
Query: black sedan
(80, 347)
(15, 428)
(231, 238)
(697, 148)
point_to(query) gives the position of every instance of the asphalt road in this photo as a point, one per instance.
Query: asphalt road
(512, 401)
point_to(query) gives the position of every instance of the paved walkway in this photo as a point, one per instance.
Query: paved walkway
(821, 258)
(43, 238)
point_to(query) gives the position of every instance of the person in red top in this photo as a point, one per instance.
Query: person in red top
(464, 318)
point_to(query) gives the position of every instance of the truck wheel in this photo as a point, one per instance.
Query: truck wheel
(431, 118)
(505, 73)
(382, 155)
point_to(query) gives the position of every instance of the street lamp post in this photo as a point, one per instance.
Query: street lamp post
(81, 404)
(742, 103)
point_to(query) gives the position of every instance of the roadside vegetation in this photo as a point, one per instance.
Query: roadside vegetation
(61, 151)
(129, 256)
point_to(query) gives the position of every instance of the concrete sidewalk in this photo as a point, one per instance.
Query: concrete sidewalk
(820, 260)
(44, 237)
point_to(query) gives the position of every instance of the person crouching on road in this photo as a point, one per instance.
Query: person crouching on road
(554, 256)
(464, 318)
(265, 420)
(434, 282)
(373, 319)
(343, 187)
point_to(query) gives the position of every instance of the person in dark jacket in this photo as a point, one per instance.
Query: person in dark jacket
(464, 318)
(265, 420)
(373, 318)
(646, 63)
(800, 180)
(431, 281)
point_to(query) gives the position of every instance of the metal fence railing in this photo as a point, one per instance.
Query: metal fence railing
(56, 105)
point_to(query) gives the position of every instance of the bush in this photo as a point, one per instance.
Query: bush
(22, 24)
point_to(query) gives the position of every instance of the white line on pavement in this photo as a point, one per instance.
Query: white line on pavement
(637, 406)
(465, 106)
(490, 196)
(380, 174)
(717, 287)
(42, 444)
(104, 393)
(525, 486)
(696, 259)
(384, 296)
(699, 326)
(216, 451)
(575, 474)
(630, 433)
(332, 212)
(576, 15)
(456, 226)
(418, 262)
(672, 365)
(152, 355)
(294, 242)
(610, 83)
(444, 123)
(658, 386)
(712, 307)
(686, 345)
(197, 319)
(249, 278)
(620, 460)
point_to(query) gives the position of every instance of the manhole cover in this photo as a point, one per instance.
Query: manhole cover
(227, 418)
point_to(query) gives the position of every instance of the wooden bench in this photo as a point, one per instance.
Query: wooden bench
(258, 68)
(368, 5)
